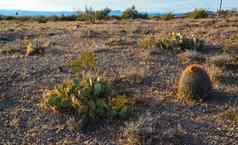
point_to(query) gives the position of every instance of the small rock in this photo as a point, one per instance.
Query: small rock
(146, 130)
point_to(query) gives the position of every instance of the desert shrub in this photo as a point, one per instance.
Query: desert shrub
(85, 66)
(24, 18)
(198, 14)
(122, 106)
(92, 16)
(9, 18)
(63, 18)
(194, 84)
(112, 42)
(178, 42)
(41, 19)
(103, 14)
(132, 13)
(29, 49)
(147, 42)
(168, 16)
(33, 47)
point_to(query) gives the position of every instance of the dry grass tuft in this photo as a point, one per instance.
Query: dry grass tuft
(147, 42)
(34, 47)
(190, 57)
(215, 73)
(230, 115)
(222, 60)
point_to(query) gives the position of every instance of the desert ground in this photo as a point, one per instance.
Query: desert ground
(162, 119)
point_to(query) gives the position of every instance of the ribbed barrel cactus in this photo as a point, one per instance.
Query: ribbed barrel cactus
(194, 84)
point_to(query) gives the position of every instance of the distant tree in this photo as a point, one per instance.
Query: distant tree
(199, 13)
(132, 13)
(91, 15)
(102, 14)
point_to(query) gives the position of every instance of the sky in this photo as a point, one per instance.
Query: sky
(141, 5)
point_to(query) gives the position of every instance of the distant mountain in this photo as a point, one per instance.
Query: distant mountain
(34, 13)
(116, 13)
(66, 13)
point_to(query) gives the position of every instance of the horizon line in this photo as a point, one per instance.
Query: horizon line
(173, 11)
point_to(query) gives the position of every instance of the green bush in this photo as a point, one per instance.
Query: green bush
(132, 13)
(198, 14)
(178, 42)
(122, 106)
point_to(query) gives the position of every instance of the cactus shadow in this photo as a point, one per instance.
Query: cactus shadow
(168, 128)
(222, 98)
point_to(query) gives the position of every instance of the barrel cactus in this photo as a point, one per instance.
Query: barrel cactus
(194, 84)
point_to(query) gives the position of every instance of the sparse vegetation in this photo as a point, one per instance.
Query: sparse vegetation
(41, 19)
(132, 13)
(190, 56)
(168, 16)
(230, 45)
(33, 47)
(147, 42)
(198, 14)
(92, 16)
(85, 66)
(90, 99)
(112, 42)
(112, 82)
(122, 107)
(194, 84)
(216, 74)
(178, 42)
(231, 12)
(223, 60)
(90, 96)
